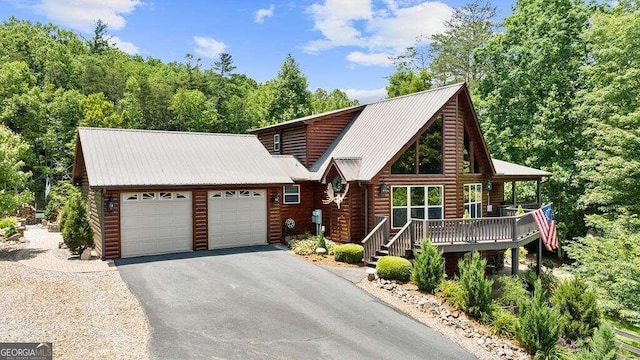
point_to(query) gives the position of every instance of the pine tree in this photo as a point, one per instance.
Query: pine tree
(428, 267)
(76, 230)
(539, 325)
(475, 285)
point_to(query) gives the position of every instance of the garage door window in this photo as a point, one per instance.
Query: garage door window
(131, 197)
(292, 194)
(148, 196)
(181, 195)
(164, 196)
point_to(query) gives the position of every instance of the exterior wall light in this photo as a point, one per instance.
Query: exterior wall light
(275, 198)
(487, 185)
(384, 189)
(111, 204)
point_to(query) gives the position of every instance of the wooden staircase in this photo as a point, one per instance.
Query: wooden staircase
(373, 260)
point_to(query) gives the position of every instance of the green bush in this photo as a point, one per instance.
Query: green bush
(428, 267)
(539, 325)
(451, 290)
(8, 221)
(10, 230)
(503, 322)
(309, 245)
(349, 253)
(601, 347)
(394, 268)
(476, 288)
(57, 199)
(76, 230)
(511, 290)
(578, 307)
(549, 281)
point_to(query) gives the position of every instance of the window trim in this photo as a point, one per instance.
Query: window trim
(426, 206)
(284, 194)
(277, 143)
(467, 203)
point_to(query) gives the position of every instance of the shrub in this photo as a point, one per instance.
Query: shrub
(349, 253)
(549, 281)
(10, 230)
(578, 307)
(511, 290)
(601, 347)
(330, 246)
(476, 288)
(503, 322)
(8, 221)
(394, 268)
(57, 199)
(451, 290)
(309, 245)
(539, 325)
(428, 267)
(76, 230)
(320, 240)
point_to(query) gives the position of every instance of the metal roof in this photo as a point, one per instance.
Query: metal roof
(349, 168)
(383, 128)
(504, 168)
(310, 117)
(292, 167)
(120, 157)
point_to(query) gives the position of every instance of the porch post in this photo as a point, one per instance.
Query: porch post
(513, 193)
(538, 192)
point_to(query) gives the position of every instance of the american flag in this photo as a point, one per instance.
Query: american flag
(547, 226)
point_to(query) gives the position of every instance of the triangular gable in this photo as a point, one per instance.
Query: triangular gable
(472, 125)
(348, 168)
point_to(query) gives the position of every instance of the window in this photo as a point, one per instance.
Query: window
(244, 193)
(215, 195)
(473, 200)
(427, 151)
(469, 163)
(131, 197)
(292, 194)
(181, 195)
(165, 196)
(415, 202)
(148, 196)
(276, 142)
(230, 194)
(257, 194)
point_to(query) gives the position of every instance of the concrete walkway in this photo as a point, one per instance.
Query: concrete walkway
(42, 252)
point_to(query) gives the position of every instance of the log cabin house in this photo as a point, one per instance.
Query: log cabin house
(385, 174)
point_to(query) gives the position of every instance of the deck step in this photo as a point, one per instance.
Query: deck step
(372, 264)
(382, 252)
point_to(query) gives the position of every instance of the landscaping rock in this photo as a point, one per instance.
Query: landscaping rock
(321, 251)
(371, 274)
(14, 237)
(86, 254)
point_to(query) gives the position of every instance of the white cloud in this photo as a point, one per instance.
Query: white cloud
(83, 14)
(372, 59)
(366, 96)
(264, 13)
(125, 46)
(384, 28)
(208, 47)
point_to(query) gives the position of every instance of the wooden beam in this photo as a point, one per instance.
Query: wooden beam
(513, 193)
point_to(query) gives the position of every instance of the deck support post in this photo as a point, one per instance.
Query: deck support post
(515, 260)
(539, 193)
(539, 258)
(513, 193)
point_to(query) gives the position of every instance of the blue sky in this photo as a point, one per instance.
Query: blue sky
(341, 44)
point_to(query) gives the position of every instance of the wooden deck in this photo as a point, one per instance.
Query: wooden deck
(462, 235)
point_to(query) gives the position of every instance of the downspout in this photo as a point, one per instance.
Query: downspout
(104, 191)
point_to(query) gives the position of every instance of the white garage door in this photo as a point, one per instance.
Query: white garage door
(155, 223)
(237, 218)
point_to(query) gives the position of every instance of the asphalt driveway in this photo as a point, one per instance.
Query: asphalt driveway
(264, 303)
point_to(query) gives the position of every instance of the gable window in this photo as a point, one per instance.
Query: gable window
(425, 155)
(469, 163)
(291, 194)
(473, 200)
(276, 142)
(415, 202)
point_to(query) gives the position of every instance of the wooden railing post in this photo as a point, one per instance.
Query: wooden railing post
(412, 233)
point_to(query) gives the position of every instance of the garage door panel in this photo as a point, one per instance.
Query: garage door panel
(155, 226)
(237, 218)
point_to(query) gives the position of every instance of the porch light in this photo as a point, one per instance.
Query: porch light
(111, 204)
(384, 189)
(275, 198)
(487, 185)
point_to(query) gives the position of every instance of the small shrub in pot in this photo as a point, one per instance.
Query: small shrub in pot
(394, 268)
(349, 253)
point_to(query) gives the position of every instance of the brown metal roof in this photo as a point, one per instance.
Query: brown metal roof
(383, 128)
(119, 157)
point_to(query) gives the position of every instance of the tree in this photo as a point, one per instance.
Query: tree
(539, 325)
(99, 42)
(610, 102)
(191, 111)
(130, 106)
(224, 65)
(99, 112)
(527, 97)
(578, 308)
(75, 227)
(407, 81)
(428, 267)
(321, 101)
(601, 347)
(476, 288)
(451, 51)
(291, 99)
(13, 178)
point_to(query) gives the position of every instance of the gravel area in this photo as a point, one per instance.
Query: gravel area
(429, 310)
(89, 315)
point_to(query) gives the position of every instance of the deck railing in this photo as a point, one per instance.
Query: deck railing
(451, 231)
(376, 238)
(402, 241)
